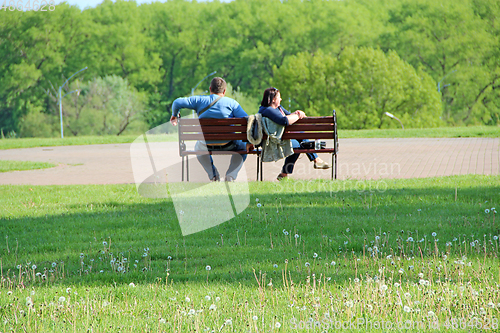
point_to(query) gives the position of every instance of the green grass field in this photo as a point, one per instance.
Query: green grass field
(304, 255)
(441, 132)
(6, 165)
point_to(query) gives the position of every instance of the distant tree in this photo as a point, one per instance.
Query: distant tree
(457, 43)
(361, 84)
(105, 106)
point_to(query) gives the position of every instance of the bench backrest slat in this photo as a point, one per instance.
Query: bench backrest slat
(212, 136)
(309, 128)
(213, 129)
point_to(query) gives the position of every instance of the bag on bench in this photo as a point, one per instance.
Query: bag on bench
(310, 144)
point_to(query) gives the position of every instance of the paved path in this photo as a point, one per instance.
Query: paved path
(358, 159)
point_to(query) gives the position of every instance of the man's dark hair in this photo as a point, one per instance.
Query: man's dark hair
(218, 85)
(269, 95)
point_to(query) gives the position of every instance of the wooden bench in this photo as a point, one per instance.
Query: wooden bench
(235, 129)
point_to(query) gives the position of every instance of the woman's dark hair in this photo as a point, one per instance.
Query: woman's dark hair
(269, 95)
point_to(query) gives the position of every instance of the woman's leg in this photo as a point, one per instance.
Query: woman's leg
(290, 160)
(311, 156)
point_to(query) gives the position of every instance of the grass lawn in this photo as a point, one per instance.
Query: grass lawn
(319, 254)
(6, 166)
(442, 132)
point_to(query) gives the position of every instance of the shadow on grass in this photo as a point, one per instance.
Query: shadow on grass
(105, 242)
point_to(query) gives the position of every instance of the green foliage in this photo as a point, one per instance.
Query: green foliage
(164, 49)
(39, 125)
(249, 103)
(361, 84)
(105, 106)
(457, 44)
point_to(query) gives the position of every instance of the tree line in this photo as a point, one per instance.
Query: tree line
(429, 63)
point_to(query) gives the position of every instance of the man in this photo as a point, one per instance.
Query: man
(217, 106)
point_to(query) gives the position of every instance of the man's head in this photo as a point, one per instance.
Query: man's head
(218, 86)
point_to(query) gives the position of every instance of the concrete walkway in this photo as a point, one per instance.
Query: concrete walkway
(357, 159)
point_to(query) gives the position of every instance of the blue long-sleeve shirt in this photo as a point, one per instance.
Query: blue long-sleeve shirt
(275, 114)
(225, 108)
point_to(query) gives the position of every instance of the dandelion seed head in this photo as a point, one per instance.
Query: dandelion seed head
(208, 298)
(62, 299)
(259, 205)
(208, 268)
(255, 318)
(406, 308)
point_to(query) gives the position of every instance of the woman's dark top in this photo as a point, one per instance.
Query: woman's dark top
(277, 115)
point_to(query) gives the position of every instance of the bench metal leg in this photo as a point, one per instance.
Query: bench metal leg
(187, 168)
(258, 159)
(261, 169)
(335, 166)
(182, 168)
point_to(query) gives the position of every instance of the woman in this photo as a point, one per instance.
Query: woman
(270, 107)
